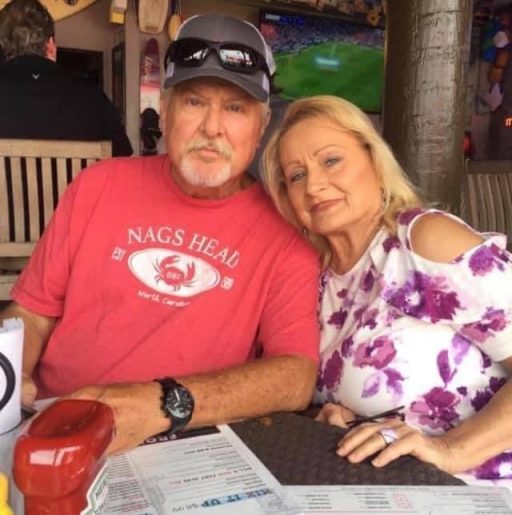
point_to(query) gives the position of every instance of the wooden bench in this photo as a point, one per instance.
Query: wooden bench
(33, 176)
(486, 201)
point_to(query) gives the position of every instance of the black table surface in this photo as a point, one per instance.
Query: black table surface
(301, 451)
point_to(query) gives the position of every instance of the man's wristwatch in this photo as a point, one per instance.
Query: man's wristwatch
(177, 403)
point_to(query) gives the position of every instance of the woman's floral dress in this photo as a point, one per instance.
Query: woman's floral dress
(398, 329)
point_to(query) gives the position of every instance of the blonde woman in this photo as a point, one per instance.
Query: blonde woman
(415, 306)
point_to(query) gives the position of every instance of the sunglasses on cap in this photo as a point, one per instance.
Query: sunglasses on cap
(234, 57)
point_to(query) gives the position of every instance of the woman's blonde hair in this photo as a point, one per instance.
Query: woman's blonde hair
(398, 194)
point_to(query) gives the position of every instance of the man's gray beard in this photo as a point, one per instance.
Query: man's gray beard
(207, 180)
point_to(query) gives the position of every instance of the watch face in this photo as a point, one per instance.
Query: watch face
(180, 402)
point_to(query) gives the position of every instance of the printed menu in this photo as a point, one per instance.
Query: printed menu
(205, 471)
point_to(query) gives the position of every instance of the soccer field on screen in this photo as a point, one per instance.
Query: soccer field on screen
(343, 69)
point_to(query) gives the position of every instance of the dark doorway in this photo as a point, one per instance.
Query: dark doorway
(84, 64)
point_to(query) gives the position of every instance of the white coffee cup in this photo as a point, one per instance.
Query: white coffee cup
(11, 353)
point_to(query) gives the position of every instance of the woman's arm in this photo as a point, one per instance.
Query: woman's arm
(482, 436)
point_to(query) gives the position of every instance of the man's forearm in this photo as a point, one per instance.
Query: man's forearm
(280, 383)
(36, 333)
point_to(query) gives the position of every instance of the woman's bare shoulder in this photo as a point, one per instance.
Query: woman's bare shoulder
(441, 238)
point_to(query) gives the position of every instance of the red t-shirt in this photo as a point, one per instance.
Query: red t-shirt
(147, 282)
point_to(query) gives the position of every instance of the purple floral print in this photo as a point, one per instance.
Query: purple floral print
(491, 468)
(496, 383)
(484, 260)
(358, 314)
(377, 353)
(368, 281)
(332, 372)
(437, 409)
(407, 217)
(425, 296)
(460, 346)
(347, 347)
(399, 329)
(443, 365)
(486, 361)
(371, 385)
(482, 397)
(342, 293)
(369, 318)
(492, 321)
(338, 318)
(463, 390)
(391, 243)
(366, 317)
(394, 381)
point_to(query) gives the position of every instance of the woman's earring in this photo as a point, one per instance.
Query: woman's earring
(305, 232)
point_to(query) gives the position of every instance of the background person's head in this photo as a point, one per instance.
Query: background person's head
(393, 191)
(219, 69)
(27, 28)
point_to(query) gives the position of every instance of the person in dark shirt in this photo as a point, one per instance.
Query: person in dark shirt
(37, 99)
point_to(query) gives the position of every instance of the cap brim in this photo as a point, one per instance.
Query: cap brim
(238, 79)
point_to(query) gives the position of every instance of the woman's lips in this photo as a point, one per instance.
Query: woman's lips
(324, 206)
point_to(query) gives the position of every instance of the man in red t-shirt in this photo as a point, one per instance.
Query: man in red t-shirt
(168, 286)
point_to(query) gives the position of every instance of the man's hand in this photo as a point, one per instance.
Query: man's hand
(136, 408)
(28, 390)
(37, 329)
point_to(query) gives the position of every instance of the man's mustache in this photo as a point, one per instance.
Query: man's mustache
(224, 149)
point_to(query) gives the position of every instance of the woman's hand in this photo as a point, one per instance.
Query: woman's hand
(366, 440)
(335, 415)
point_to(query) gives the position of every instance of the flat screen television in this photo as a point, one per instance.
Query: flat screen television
(320, 55)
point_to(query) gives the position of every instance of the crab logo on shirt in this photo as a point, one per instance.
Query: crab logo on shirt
(173, 273)
(170, 274)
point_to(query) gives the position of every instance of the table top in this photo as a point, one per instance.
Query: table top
(301, 451)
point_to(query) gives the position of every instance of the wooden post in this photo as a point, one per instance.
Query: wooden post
(427, 51)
